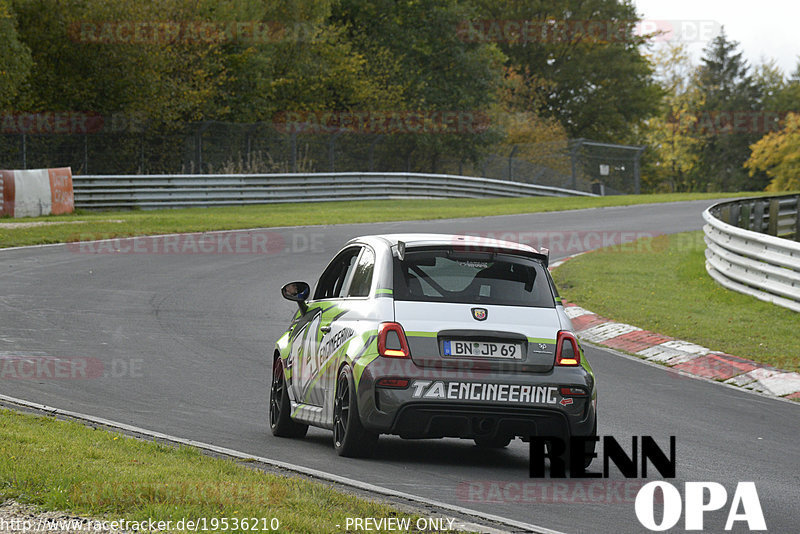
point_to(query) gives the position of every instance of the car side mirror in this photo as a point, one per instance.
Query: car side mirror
(297, 292)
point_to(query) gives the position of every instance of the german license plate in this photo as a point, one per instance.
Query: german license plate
(483, 349)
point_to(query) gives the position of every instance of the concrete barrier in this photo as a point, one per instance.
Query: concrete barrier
(31, 193)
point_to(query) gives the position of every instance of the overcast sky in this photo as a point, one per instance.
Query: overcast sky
(764, 29)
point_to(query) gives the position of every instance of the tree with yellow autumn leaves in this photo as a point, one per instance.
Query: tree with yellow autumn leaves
(778, 154)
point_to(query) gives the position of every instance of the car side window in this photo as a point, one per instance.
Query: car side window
(362, 275)
(333, 279)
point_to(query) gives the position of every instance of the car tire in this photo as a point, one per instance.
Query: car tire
(349, 436)
(280, 420)
(497, 442)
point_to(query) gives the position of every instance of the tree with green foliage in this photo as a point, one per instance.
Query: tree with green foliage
(781, 94)
(729, 118)
(415, 47)
(15, 56)
(307, 63)
(527, 136)
(82, 61)
(583, 59)
(87, 58)
(671, 159)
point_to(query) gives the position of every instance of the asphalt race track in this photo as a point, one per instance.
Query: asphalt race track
(181, 343)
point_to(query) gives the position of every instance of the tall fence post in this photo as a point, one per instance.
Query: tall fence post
(198, 147)
(372, 152)
(637, 171)
(332, 154)
(573, 156)
(511, 163)
(24, 151)
(293, 152)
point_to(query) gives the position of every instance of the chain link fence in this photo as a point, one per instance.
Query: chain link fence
(228, 148)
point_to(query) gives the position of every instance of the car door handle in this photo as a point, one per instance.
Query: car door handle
(325, 329)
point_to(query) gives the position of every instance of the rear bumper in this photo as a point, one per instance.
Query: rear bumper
(445, 403)
(470, 421)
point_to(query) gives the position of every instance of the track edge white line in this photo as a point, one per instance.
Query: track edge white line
(307, 471)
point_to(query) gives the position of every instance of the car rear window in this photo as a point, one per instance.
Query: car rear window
(446, 275)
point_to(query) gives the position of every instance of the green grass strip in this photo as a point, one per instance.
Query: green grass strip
(660, 284)
(85, 226)
(67, 466)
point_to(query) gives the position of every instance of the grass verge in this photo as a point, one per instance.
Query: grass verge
(84, 226)
(67, 466)
(660, 284)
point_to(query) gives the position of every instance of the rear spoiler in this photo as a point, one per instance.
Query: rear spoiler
(542, 254)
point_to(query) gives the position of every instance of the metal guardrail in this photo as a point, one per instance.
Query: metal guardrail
(753, 247)
(186, 190)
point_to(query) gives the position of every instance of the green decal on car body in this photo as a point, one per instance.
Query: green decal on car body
(283, 345)
(422, 334)
(331, 359)
(362, 363)
(300, 406)
(366, 354)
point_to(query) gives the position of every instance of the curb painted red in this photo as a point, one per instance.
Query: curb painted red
(682, 355)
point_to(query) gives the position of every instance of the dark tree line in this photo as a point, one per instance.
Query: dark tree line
(540, 71)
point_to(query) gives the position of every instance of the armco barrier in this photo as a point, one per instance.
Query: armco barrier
(753, 247)
(185, 190)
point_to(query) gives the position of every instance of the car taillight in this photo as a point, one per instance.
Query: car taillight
(570, 391)
(392, 335)
(567, 351)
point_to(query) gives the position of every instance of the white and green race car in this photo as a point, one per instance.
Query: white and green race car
(431, 336)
